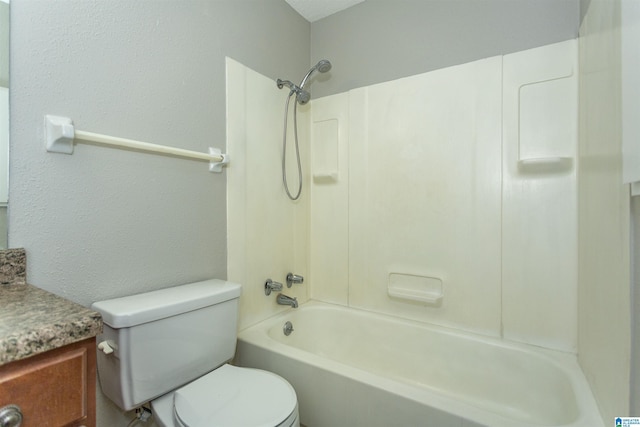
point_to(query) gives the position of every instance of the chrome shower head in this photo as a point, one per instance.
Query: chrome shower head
(303, 96)
(322, 66)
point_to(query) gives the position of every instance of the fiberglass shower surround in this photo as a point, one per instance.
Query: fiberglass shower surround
(302, 97)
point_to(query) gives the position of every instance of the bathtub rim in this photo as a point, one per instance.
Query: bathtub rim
(258, 335)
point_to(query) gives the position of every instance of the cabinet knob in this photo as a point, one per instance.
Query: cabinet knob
(10, 416)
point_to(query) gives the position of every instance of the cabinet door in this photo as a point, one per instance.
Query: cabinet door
(56, 388)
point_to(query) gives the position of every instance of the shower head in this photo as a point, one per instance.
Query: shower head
(303, 96)
(322, 66)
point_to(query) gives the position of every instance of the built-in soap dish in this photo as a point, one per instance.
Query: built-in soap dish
(415, 288)
(545, 165)
(325, 177)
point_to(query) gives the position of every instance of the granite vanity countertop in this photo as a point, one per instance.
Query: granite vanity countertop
(33, 321)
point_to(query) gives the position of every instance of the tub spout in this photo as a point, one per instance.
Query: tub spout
(282, 299)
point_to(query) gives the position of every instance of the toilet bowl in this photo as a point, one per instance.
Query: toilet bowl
(230, 397)
(171, 347)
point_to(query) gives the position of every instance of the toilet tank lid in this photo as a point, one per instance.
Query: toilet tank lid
(134, 310)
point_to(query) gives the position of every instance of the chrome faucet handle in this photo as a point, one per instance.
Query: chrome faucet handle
(270, 285)
(294, 278)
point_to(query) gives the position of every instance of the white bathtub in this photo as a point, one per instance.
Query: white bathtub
(356, 368)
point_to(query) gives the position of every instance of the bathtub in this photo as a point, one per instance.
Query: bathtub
(355, 368)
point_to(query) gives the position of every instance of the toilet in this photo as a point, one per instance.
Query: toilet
(171, 347)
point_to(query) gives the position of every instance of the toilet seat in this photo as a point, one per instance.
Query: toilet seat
(232, 396)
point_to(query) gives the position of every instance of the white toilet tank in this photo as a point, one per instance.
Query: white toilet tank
(164, 339)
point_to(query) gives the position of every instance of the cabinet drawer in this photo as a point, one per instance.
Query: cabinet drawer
(54, 388)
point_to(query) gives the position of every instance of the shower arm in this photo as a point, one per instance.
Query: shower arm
(292, 86)
(322, 66)
(304, 80)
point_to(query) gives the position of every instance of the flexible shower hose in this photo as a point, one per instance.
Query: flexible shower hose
(284, 148)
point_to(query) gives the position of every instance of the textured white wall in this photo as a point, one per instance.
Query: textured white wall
(4, 44)
(104, 222)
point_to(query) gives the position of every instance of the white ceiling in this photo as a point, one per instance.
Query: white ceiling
(312, 10)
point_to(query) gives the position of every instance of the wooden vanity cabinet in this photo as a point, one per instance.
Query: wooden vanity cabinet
(53, 389)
